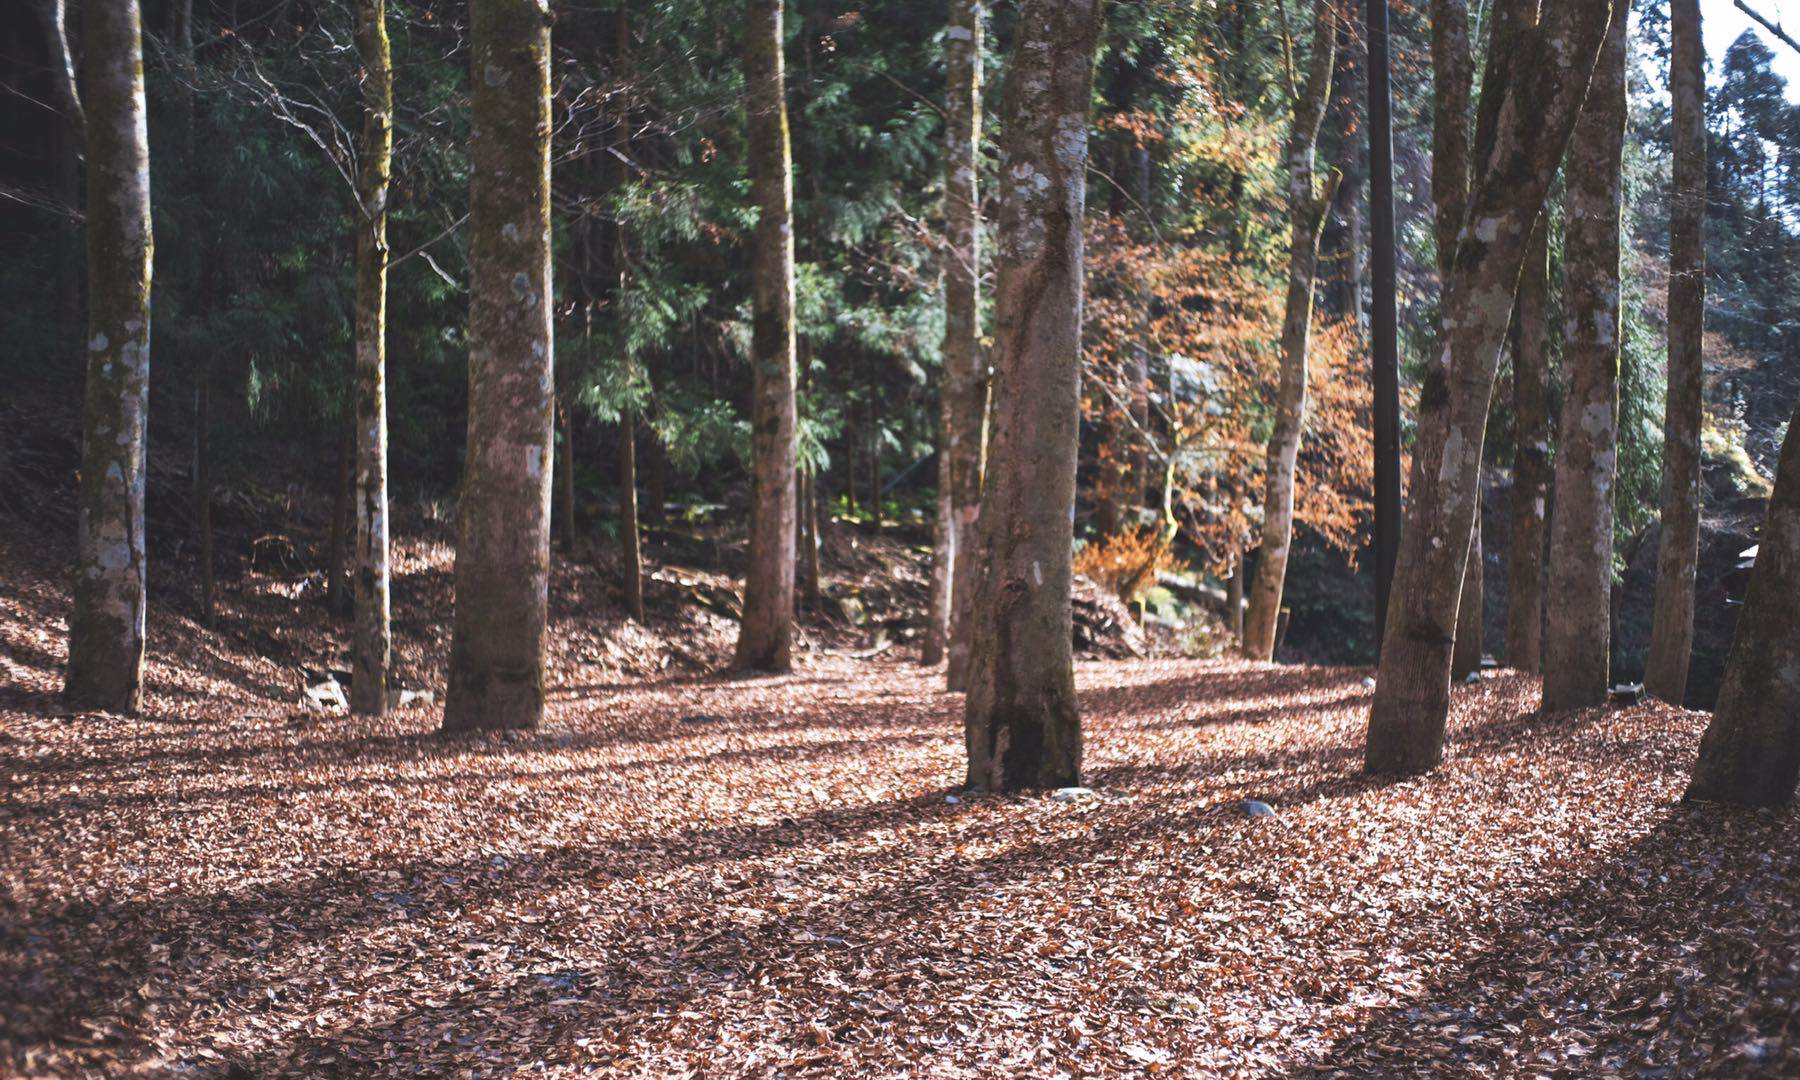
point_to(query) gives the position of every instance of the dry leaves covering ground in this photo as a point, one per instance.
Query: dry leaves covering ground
(766, 877)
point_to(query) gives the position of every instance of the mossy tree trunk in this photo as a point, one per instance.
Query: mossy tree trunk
(1531, 443)
(1577, 653)
(106, 630)
(496, 675)
(1307, 203)
(1751, 750)
(765, 641)
(1531, 95)
(373, 637)
(1021, 723)
(963, 391)
(1678, 553)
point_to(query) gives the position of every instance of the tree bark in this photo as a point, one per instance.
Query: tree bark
(765, 641)
(1532, 93)
(372, 649)
(943, 557)
(1021, 721)
(1672, 620)
(1465, 658)
(965, 384)
(809, 532)
(1531, 450)
(1750, 753)
(106, 630)
(1577, 649)
(1306, 219)
(343, 525)
(496, 675)
(631, 553)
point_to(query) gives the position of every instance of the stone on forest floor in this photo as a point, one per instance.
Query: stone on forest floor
(1071, 794)
(1627, 693)
(1256, 808)
(1472, 678)
(702, 718)
(406, 699)
(327, 696)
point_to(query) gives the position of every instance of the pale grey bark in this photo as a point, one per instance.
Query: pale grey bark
(1751, 750)
(1307, 202)
(964, 390)
(1531, 442)
(496, 675)
(372, 645)
(1578, 624)
(1021, 723)
(765, 641)
(1678, 551)
(1531, 96)
(106, 629)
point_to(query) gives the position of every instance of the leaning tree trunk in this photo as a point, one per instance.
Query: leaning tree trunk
(1465, 657)
(765, 642)
(1021, 722)
(1531, 444)
(496, 675)
(1578, 624)
(1306, 218)
(1531, 96)
(1751, 750)
(1672, 621)
(66, 137)
(965, 412)
(373, 639)
(106, 631)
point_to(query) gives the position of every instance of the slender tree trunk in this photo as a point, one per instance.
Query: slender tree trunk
(106, 630)
(1533, 91)
(1021, 721)
(1577, 652)
(765, 642)
(1234, 602)
(1751, 750)
(565, 477)
(1306, 219)
(1383, 314)
(203, 527)
(630, 550)
(496, 677)
(1531, 450)
(1465, 658)
(373, 639)
(1672, 622)
(809, 548)
(65, 148)
(943, 558)
(964, 410)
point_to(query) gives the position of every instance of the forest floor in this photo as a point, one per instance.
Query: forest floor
(684, 874)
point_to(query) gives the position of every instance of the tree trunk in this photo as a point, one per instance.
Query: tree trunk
(631, 553)
(65, 142)
(372, 649)
(964, 409)
(203, 529)
(943, 558)
(809, 548)
(1751, 750)
(1465, 658)
(496, 677)
(765, 642)
(1531, 449)
(1672, 621)
(1383, 314)
(1577, 651)
(565, 478)
(1534, 88)
(656, 498)
(106, 630)
(1021, 721)
(1306, 218)
(1234, 603)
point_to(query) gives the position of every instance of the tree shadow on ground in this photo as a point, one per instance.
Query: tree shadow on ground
(1660, 953)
